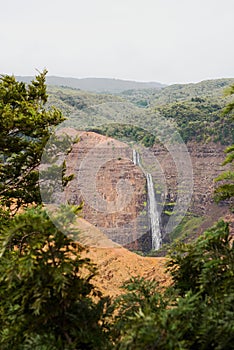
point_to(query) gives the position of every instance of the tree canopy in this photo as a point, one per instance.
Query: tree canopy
(46, 294)
(25, 126)
(196, 312)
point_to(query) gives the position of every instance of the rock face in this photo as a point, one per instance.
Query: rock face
(111, 187)
(206, 165)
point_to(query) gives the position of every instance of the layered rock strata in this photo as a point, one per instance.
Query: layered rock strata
(111, 187)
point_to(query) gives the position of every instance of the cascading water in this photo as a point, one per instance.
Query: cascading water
(153, 214)
(135, 157)
(152, 205)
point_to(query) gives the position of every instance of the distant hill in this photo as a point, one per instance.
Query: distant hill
(195, 108)
(181, 92)
(178, 92)
(97, 84)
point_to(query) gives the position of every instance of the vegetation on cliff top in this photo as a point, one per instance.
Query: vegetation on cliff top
(195, 108)
(225, 191)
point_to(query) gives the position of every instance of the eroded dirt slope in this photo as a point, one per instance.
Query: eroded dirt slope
(116, 265)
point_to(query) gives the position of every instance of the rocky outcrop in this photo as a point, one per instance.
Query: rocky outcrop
(206, 165)
(111, 187)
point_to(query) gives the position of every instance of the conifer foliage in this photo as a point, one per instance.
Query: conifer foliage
(46, 294)
(25, 126)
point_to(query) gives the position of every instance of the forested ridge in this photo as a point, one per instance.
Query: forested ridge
(195, 108)
(47, 298)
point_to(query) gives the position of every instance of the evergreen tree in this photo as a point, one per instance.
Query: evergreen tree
(46, 294)
(25, 126)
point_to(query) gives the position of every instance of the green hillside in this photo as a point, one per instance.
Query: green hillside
(72, 100)
(194, 110)
(177, 92)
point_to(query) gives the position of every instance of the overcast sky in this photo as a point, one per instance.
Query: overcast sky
(147, 40)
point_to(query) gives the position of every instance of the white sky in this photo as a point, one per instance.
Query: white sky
(147, 40)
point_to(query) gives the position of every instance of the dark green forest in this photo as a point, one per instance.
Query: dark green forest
(47, 297)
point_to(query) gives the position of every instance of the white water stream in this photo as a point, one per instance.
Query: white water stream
(152, 206)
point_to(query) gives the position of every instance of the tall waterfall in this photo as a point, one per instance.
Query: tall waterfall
(152, 205)
(153, 215)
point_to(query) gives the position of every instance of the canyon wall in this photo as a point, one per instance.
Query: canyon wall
(206, 161)
(113, 189)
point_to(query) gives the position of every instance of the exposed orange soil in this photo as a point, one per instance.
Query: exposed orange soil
(117, 265)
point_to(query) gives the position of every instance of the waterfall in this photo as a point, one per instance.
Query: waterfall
(153, 214)
(135, 157)
(152, 206)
